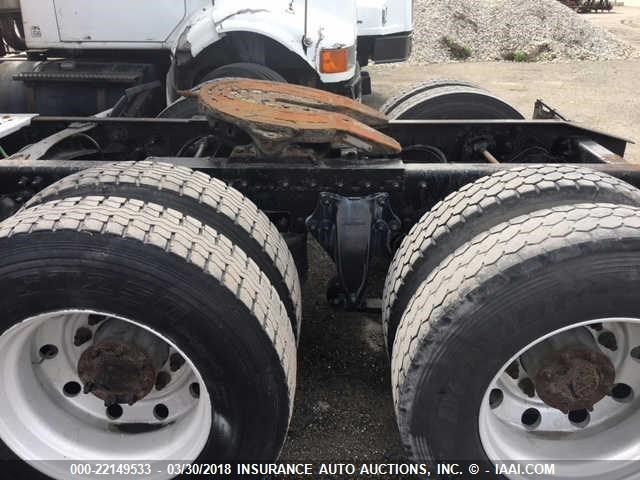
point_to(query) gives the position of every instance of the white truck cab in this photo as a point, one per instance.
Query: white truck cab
(321, 43)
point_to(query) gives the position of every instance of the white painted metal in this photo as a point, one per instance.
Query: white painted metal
(118, 20)
(162, 24)
(607, 446)
(39, 422)
(384, 17)
(12, 122)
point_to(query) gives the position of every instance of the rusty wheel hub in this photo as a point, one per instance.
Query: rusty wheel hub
(117, 372)
(574, 379)
(555, 400)
(45, 416)
(123, 363)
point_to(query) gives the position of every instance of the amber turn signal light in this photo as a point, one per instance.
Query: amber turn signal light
(335, 60)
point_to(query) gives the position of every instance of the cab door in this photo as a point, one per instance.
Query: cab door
(131, 21)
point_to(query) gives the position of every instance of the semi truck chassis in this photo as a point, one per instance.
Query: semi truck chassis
(394, 194)
(303, 191)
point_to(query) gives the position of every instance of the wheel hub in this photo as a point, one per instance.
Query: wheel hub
(123, 363)
(540, 405)
(574, 379)
(117, 372)
(44, 414)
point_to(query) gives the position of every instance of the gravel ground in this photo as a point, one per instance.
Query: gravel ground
(522, 30)
(600, 95)
(344, 409)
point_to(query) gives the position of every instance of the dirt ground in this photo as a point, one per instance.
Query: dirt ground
(344, 410)
(603, 95)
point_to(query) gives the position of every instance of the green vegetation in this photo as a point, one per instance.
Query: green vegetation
(533, 55)
(520, 56)
(516, 56)
(457, 51)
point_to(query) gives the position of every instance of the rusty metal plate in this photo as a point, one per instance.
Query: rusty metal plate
(276, 115)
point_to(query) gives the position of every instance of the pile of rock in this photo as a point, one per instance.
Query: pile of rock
(516, 30)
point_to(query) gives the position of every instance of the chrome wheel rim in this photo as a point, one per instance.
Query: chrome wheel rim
(515, 425)
(45, 417)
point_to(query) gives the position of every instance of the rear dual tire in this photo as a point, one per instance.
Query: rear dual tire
(479, 206)
(492, 270)
(199, 196)
(127, 246)
(489, 301)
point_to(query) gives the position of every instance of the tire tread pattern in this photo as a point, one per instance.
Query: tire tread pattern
(450, 220)
(405, 94)
(176, 234)
(223, 199)
(415, 100)
(543, 233)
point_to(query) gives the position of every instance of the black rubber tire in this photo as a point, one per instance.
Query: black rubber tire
(496, 294)
(244, 70)
(188, 107)
(298, 246)
(477, 207)
(405, 94)
(206, 199)
(184, 280)
(453, 102)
